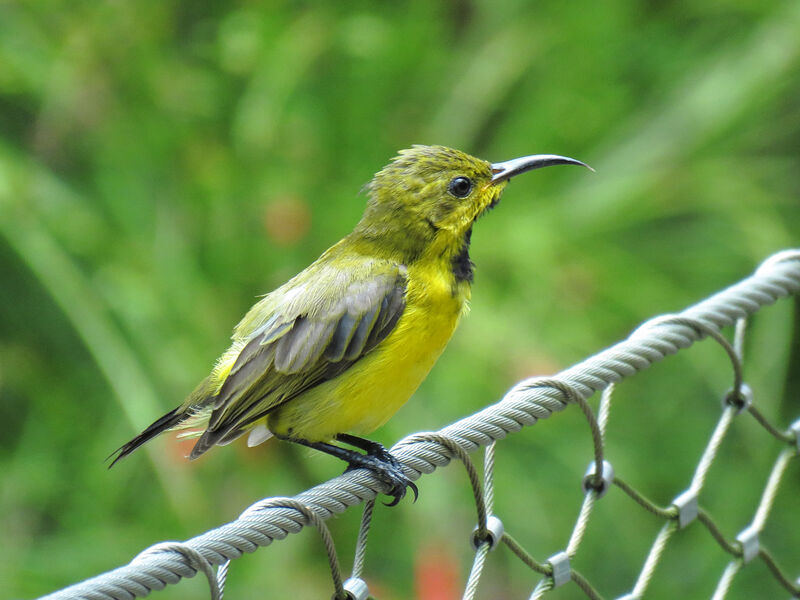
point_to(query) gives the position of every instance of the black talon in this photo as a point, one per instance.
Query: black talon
(377, 459)
(381, 462)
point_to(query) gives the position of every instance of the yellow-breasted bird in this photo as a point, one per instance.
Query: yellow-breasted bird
(340, 347)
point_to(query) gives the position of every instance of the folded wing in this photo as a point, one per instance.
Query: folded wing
(315, 330)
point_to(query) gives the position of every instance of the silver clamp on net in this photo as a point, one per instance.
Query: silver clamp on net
(562, 573)
(687, 506)
(599, 485)
(355, 588)
(492, 534)
(748, 538)
(740, 399)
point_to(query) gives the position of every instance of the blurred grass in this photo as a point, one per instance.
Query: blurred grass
(161, 164)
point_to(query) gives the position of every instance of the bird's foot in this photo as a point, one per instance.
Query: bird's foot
(381, 462)
(377, 459)
(388, 470)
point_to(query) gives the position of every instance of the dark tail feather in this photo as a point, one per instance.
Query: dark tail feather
(208, 440)
(169, 420)
(224, 435)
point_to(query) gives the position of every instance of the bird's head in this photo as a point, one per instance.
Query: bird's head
(430, 193)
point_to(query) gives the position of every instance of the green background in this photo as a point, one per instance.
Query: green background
(163, 163)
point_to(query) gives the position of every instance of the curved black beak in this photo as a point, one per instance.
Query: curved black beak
(503, 171)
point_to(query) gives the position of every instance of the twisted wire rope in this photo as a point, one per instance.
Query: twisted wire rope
(771, 489)
(523, 405)
(726, 580)
(591, 497)
(476, 572)
(361, 542)
(592, 491)
(484, 500)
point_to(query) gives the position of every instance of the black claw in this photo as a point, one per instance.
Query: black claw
(388, 470)
(409, 484)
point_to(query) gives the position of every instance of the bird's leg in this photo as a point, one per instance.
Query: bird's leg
(377, 459)
(368, 446)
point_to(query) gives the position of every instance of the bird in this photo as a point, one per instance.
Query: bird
(333, 353)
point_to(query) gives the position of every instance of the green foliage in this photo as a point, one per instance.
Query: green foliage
(163, 163)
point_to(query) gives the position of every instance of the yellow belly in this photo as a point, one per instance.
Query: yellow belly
(374, 388)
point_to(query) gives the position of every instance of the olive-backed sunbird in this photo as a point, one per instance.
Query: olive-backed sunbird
(340, 347)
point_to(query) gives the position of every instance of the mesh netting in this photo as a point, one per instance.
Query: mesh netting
(273, 519)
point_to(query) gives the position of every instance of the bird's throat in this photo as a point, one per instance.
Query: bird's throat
(461, 265)
(415, 240)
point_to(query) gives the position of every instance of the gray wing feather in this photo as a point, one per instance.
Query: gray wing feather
(290, 354)
(345, 329)
(360, 334)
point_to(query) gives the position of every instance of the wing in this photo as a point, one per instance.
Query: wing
(305, 333)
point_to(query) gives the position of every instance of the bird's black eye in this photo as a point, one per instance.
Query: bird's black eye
(460, 187)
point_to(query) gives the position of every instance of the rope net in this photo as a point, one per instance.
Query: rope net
(273, 519)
